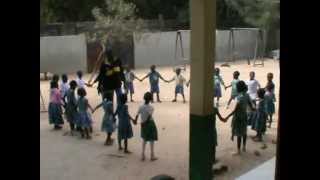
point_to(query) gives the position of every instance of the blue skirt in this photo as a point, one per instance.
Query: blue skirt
(179, 89)
(71, 113)
(259, 121)
(270, 108)
(130, 88)
(217, 91)
(124, 130)
(107, 125)
(84, 120)
(154, 88)
(55, 114)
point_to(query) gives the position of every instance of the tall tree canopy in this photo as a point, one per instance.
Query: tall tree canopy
(230, 13)
(68, 10)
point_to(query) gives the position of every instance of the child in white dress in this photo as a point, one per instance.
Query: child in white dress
(149, 131)
(253, 86)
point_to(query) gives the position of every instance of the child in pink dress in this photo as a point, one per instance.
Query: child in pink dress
(55, 109)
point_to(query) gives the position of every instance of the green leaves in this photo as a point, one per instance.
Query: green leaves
(115, 22)
(261, 14)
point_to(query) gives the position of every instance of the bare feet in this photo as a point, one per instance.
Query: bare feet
(236, 153)
(154, 159)
(143, 158)
(264, 146)
(257, 139)
(108, 142)
(244, 149)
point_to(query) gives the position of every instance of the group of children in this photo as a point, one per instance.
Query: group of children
(154, 77)
(76, 110)
(254, 106)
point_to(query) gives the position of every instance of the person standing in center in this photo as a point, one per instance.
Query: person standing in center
(110, 76)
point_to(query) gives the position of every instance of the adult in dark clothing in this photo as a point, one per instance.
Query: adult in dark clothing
(110, 76)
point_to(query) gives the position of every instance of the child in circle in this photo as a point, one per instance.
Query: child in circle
(270, 81)
(55, 78)
(239, 120)
(64, 87)
(216, 114)
(154, 81)
(180, 81)
(108, 122)
(217, 85)
(55, 109)
(80, 82)
(234, 92)
(260, 116)
(124, 124)
(129, 78)
(270, 100)
(84, 117)
(149, 131)
(71, 106)
(253, 86)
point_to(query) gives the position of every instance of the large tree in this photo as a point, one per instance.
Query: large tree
(264, 14)
(67, 10)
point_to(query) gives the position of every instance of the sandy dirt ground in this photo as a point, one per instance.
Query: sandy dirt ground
(63, 157)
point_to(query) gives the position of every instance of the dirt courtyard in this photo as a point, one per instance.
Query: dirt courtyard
(63, 157)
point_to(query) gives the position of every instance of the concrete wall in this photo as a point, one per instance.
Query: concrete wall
(63, 54)
(159, 48)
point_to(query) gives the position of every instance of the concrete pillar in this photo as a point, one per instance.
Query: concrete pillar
(201, 148)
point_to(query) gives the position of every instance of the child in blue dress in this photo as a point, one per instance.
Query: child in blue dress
(154, 81)
(270, 99)
(270, 81)
(84, 118)
(217, 85)
(260, 116)
(129, 78)
(55, 106)
(239, 120)
(71, 106)
(108, 121)
(234, 92)
(180, 81)
(124, 124)
(149, 131)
